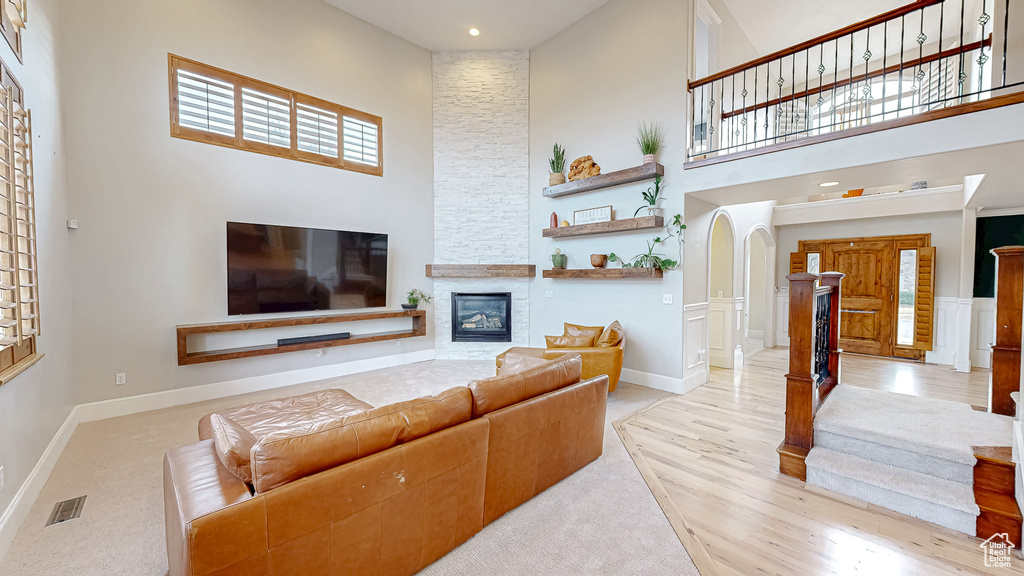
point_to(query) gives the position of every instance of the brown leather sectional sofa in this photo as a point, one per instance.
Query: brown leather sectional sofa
(337, 487)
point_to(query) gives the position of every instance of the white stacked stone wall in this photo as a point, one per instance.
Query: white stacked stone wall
(481, 184)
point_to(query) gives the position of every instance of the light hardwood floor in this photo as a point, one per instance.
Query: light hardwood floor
(709, 458)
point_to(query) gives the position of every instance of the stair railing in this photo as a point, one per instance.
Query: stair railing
(1006, 352)
(920, 58)
(814, 362)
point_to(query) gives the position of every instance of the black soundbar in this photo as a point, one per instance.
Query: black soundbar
(308, 339)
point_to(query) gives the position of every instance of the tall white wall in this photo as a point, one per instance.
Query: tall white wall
(757, 285)
(34, 404)
(150, 252)
(481, 183)
(589, 87)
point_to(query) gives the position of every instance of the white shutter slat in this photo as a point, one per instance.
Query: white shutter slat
(206, 104)
(266, 118)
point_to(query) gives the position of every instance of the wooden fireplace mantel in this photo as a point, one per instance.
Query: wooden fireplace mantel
(481, 270)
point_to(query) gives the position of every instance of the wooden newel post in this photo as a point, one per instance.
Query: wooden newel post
(1006, 351)
(800, 389)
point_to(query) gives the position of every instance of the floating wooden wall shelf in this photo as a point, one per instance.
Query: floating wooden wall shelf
(185, 358)
(642, 223)
(481, 270)
(627, 176)
(605, 273)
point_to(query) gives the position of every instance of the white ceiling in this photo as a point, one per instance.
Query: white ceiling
(772, 26)
(445, 24)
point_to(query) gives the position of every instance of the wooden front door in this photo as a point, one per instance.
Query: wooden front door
(877, 318)
(867, 295)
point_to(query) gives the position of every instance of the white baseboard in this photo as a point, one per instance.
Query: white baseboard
(169, 398)
(758, 334)
(666, 383)
(695, 380)
(33, 485)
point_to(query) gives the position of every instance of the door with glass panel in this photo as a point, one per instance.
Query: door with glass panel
(888, 291)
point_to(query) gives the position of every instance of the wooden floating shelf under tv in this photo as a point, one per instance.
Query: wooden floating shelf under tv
(185, 358)
(642, 223)
(605, 273)
(617, 178)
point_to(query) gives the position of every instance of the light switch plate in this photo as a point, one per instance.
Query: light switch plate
(666, 298)
(120, 379)
(549, 293)
(2, 479)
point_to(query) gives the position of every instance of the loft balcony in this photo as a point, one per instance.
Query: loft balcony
(925, 61)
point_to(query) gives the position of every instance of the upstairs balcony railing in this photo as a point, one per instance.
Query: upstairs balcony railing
(925, 57)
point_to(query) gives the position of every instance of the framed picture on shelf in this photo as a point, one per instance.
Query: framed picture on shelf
(592, 215)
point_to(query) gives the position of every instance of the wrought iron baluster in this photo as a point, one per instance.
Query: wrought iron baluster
(885, 62)
(821, 82)
(903, 41)
(982, 58)
(963, 74)
(754, 141)
(807, 92)
(835, 82)
(939, 88)
(721, 115)
(1006, 36)
(743, 116)
(693, 124)
(921, 37)
(849, 89)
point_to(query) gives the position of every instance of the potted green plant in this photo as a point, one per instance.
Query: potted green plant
(414, 297)
(649, 138)
(647, 260)
(557, 164)
(652, 199)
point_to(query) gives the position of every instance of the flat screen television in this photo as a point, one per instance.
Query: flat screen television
(288, 269)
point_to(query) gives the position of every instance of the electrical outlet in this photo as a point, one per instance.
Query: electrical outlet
(549, 293)
(666, 298)
(120, 379)
(1, 477)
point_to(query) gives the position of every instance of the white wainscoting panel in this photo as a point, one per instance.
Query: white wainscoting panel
(983, 332)
(695, 345)
(943, 332)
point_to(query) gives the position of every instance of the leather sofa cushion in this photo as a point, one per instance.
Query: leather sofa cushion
(282, 457)
(492, 394)
(591, 332)
(569, 341)
(514, 363)
(611, 336)
(233, 444)
(282, 414)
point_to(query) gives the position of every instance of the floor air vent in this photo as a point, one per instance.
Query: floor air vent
(66, 510)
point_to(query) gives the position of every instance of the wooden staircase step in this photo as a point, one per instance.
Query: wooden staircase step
(994, 470)
(994, 483)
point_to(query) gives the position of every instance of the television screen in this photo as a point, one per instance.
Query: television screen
(288, 269)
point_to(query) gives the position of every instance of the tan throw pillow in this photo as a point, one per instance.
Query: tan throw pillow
(233, 444)
(611, 336)
(569, 341)
(515, 363)
(585, 331)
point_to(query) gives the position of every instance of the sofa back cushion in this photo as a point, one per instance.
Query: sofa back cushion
(569, 341)
(514, 363)
(591, 332)
(611, 336)
(233, 444)
(283, 457)
(492, 394)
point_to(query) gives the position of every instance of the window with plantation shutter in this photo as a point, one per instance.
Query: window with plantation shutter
(360, 141)
(219, 107)
(206, 104)
(266, 119)
(19, 289)
(317, 130)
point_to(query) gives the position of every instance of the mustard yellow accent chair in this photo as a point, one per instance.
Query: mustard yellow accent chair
(601, 348)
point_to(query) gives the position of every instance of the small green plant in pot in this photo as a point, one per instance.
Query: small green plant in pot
(647, 260)
(652, 199)
(650, 138)
(414, 297)
(557, 164)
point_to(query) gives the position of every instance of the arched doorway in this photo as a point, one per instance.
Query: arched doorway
(723, 317)
(759, 291)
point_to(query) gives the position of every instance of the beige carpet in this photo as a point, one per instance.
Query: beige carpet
(601, 520)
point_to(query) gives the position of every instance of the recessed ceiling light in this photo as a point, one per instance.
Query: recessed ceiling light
(828, 184)
(474, 32)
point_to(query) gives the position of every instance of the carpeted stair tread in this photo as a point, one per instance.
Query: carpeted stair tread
(945, 493)
(934, 428)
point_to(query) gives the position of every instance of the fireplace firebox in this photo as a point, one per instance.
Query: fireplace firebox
(481, 317)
